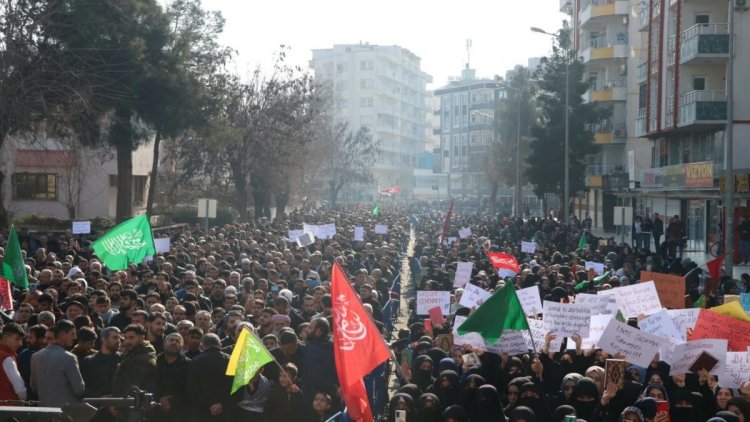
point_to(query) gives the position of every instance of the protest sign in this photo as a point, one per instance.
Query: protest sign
(436, 315)
(475, 340)
(305, 239)
(81, 227)
(310, 228)
(530, 300)
(294, 234)
(596, 329)
(536, 326)
(660, 324)
(566, 319)
(359, 234)
(598, 303)
(463, 274)
(685, 354)
(528, 247)
(473, 296)
(671, 288)
(736, 370)
(427, 299)
(637, 347)
(511, 342)
(684, 319)
(327, 231)
(161, 244)
(381, 229)
(636, 299)
(596, 266)
(711, 325)
(732, 309)
(745, 301)
(464, 233)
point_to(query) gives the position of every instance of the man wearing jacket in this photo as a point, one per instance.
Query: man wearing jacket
(207, 383)
(54, 370)
(12, 386)
(137, 368)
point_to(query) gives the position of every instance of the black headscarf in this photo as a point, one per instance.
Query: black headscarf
(562, 411)
(469, 386)
(401, 399)
(488, 407)
(585, 388)
(522, 413)
(429, 408)
(457, 413)
(446, 388)
(422, 378)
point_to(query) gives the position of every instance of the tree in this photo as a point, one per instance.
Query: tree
(501, 161)
(545, 162)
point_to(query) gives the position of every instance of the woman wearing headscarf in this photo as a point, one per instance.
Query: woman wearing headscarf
(722, 395)
(421, 373)
(429, 408)
(631, 414)
(596, 374)
(533, 397)
(685, 406)
(488, 407)
(561, 412)
(657, 392)
(513, 393)
(585, 398)
(469, 386)
(401, 401)
(455, 413)
(739, 407)
(437, 355)
(566, 390)
(446, 388)
(412, 390)
(523, 414)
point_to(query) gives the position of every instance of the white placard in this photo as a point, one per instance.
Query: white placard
(660, 324)
(463, 274)
(161, 244)
(473, 296)
(637, 347)
(599, 303)
(359, 234)
(326, 231)
(596, 266)
(381, 229)
(294, 234)
(512, 342)
(736, 370)
(528, 247)
(596, 329)
(530, 300)
(536, 326)
(684, 355)
(305, 239)
(428, 299)
(567, 319)
(81, 227)
(464, 233)
(636, 299)
(452, 240)
(310, 228)
(474, 339)
(684, 319)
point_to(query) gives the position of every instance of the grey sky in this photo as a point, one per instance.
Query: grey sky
(436, 31)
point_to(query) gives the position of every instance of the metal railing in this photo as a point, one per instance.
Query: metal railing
(642, 113)
(705, 29)
(601, 169)
(607, 42)
(599, 85)
(702, 96)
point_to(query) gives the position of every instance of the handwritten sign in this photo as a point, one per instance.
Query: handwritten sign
(463, 274)
(636, 299)
(310, 228)
(473, 296)
(427, 299)
(359, 234)
(528, 247)
(381, 229)
(596, 266)
(684, 319)
(598, 303)
(464, 233)
(636, 346)
(294, 234)
(596, 329)
(685, 354)
(660, 324)
(536, 326)
(81, 227)
(671, 288)
(511, 342)
(452, 240)
(736, 370)
(567, 319)
(305, 239)
(472, 339)
(161, 244)
(530, 300)
(711, 325)
(326, 231)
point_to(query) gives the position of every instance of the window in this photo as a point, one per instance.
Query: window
(365, 65)
(35, 186)
(365, 83)
(702, 18)
(341, 67)
(699, 83)
(342, 85)
(139, 189)
(365, 102)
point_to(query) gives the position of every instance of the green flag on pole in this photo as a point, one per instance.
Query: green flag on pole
(129, 241)
(582, 242)
(248, 356)
(14, 270)
(376, 210)
(502, 311)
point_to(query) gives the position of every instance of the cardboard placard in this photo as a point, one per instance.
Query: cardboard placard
(711, 325)
(684, 355)
(473, 296)
(531, 301)
(162, 244)
(660, 324)
(294, 234)
(637, 347)
(305, 239)
(596, 266)
(463, 274)
(528, 247)
(427, 299)
(326, 231)
(464, 233)
(684, 319)
(567, 319)
(81, 227)
(596, 329)
(671, 288)
(359, 234)
(381, 229)
(736, 370)
(636, 299)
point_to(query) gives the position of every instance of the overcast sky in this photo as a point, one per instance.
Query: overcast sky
(434, 30)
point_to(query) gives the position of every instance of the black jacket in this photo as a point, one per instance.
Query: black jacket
(98, 372)
(207, 383)
(171, 380)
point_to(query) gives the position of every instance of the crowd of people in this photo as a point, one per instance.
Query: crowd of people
(168, 325)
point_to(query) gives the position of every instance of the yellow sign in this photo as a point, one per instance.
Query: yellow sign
(732, 309)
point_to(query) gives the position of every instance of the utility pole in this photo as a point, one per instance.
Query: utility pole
(728, 152)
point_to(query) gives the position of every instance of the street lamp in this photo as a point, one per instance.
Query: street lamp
(566, 151)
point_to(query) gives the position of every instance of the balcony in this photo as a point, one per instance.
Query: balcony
(606, 48)
(606, 133)
(704, 44)
(642, 72)
(607, 91)
(596, 173)
(599, 8)
(671, 51)
(640, 123)
(703, 108)
(643, 20)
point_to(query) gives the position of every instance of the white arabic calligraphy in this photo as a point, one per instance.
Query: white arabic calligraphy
(348, 324)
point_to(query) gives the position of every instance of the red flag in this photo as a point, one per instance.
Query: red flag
(714, 267)
(357, 345)
(447, 222)
(507, 265)
(6, 295)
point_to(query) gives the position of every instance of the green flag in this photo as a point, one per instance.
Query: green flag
(602, 278)
(502, 311)
(582, 242)
(14, 270)
(129, 241)
(376, 210)
(248, 356)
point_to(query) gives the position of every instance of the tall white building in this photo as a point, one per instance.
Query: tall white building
(382, 88)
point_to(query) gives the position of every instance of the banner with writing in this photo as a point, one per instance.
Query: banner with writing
(528, 247)
(671, 288)
(711, 325)
(473, 296)
(660, 324)
(596, 329)
(427, 299)
(636, 299)
(684, 319)
(530, 300)
(736, 370)
(567, 319)
(684, 355)
(637, 347)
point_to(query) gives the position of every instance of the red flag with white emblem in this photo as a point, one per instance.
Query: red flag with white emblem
(357, 345)
(506, 265)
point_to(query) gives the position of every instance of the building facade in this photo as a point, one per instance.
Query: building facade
(382, 88)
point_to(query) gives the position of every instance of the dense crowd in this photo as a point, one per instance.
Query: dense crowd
(168, 325)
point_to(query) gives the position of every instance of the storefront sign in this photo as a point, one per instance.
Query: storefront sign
(699, 175)
(741, 183)
(679, 176)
